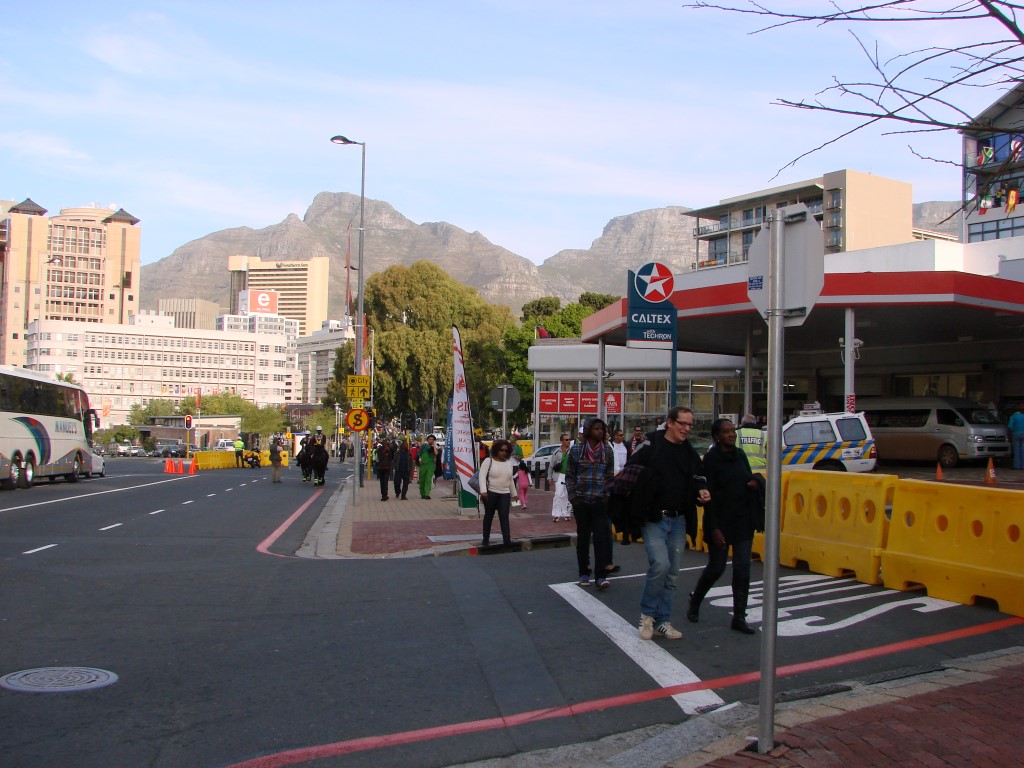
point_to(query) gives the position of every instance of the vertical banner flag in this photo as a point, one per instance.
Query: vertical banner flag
(449, 447)
(461, 421)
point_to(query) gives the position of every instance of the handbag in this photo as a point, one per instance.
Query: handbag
(474, 481)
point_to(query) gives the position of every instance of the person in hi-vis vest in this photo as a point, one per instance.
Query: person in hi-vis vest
(752, 441)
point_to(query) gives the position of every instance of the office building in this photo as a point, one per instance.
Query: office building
(81, 265)
(856, 210)
(317, 353)
(190, 313)
(121, 365)
(301, 286)
(993, 171)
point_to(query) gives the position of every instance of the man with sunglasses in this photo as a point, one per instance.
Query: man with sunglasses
(665, 497)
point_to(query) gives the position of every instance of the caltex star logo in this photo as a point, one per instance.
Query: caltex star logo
(654, 282)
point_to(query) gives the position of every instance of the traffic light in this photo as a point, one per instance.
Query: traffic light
(409, 421)
(188, 421)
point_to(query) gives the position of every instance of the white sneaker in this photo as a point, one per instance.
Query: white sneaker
(646, 627)
(667, 631)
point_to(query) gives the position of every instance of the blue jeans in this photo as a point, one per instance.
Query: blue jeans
(1018, 450)
(665, 542)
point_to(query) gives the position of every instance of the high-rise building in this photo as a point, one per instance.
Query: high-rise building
(301, 286)
(81, 265)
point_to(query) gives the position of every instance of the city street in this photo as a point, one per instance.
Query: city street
(229, 648)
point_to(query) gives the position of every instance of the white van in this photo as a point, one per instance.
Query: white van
(840, 442)
(942, 429)
(224, 444)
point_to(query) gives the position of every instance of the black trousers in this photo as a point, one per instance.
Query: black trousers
(592, 523)
(384, 475)
(500, 503)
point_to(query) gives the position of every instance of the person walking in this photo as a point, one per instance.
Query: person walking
(637, 440)
(497, 484)
(402, 471)
(275, 461)
(522, 476)
(730, 519)
(590, 469)
(385, 457)
(1016, 428)
(751, 440)
(560, 508)
(239, 451)
(665, 497)
(426, 459)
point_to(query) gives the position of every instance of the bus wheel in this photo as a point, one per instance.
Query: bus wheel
(28, 473)
(76, 470)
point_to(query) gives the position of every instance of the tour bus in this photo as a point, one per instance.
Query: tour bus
(46, 428)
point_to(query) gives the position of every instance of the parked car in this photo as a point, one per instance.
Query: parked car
(541, 458)
(137, 450)
(171, 451)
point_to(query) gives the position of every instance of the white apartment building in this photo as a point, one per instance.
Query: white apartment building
(317, 353)
(121, 365)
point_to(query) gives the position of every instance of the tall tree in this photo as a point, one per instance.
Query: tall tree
(918, 89)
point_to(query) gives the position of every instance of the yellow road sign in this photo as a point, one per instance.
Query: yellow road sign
(357, 419)
(357, 402)
(358, 392)
(358, 381)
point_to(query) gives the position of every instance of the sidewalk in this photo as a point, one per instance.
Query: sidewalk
(962, 714)
(373, 528)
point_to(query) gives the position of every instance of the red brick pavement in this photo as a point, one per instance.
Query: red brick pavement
(974, 724)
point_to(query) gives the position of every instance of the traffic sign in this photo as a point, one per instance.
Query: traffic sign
(358, 387)
(802, 265)
(357, 402)
(504, 398)
(357, 419)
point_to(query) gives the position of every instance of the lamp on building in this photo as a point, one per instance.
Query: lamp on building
(358, 325)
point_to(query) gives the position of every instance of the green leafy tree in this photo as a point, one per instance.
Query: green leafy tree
(140, 415)
(411, 311)
(596, 301)
(541, 309)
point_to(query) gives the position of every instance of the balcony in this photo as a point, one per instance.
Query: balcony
(721, 260)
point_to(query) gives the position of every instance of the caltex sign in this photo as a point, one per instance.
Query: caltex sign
(651, 317)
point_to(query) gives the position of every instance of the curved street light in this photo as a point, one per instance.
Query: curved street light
(358, 324)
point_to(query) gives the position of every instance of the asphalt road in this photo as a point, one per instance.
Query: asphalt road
(228, 648)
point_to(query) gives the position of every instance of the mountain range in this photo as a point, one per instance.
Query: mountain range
(198, 269)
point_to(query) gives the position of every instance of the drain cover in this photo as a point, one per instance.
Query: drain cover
(57, 679)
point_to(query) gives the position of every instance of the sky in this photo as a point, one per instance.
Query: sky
(533, 122)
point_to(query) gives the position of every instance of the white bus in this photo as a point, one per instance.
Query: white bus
(46, 428)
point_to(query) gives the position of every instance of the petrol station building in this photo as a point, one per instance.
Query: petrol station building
(923, 317)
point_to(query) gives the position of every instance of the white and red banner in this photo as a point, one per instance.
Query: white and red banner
(463, 448)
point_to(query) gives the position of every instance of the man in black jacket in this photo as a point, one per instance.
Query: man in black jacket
(665, 498)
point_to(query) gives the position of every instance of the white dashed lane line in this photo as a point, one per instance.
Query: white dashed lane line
(156, 512)
(115, 525)
(38, 549)
(190, 501)
(210, 495)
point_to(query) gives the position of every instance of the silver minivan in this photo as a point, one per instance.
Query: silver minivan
(943, 429)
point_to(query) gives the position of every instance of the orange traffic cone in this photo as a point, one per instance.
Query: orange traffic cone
(169, 466)
(938, 471)
(990, 473)
(181, 468)
(192, 467)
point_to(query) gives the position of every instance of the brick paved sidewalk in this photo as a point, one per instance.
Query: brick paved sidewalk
(966, 715)
(396, 528)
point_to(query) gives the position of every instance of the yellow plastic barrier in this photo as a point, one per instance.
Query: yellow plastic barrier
(960, 542)
(836, 523)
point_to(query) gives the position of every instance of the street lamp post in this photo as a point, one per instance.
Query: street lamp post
(358, 325)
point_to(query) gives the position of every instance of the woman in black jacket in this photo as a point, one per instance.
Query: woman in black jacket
(730, 519)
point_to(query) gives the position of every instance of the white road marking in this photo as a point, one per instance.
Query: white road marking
(38, 549)
(156, 512)
(661, 665)
(210, 495)
(115, 525)
(76, 497)
(186, 502)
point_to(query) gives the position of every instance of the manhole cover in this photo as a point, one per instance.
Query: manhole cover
(57, 679)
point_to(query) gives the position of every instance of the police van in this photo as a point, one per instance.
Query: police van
(841, 442)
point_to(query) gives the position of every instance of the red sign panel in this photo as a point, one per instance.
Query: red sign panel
(547, 402)
(613, 402)
(588, 402)
(569, 402)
